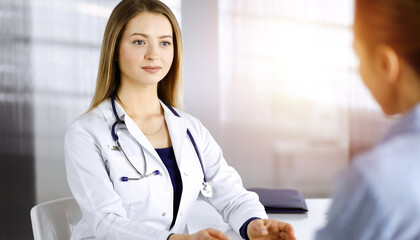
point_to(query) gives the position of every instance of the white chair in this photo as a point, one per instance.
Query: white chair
(55, 219)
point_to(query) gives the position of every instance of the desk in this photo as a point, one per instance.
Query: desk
(305, 225)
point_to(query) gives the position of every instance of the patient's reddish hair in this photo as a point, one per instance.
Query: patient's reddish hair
(392, 22)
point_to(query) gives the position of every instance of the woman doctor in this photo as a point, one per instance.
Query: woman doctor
(135, 165)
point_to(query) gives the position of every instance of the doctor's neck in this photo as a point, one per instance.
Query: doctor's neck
(139, 101)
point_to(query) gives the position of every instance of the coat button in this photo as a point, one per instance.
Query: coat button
(185, 174)
(163, 214)
(180, 214)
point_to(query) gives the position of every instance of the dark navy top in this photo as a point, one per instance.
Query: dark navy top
(168, 158)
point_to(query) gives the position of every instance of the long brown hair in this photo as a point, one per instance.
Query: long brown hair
(108, 80)
(392, 22)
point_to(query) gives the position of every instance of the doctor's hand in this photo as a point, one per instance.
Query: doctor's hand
(260, 229)
(206, 234)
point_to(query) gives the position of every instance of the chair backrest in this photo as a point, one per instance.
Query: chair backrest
(55, 219)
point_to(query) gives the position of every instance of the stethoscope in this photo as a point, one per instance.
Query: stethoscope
(206, 187)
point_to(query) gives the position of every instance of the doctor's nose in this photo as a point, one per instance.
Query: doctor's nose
(152, 53)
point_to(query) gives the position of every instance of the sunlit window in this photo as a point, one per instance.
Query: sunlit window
(290, 88)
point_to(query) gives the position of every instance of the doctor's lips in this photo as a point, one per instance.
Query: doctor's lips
(151, 69)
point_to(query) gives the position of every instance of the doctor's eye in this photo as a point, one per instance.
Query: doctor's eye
(139, 42)
(165, 44)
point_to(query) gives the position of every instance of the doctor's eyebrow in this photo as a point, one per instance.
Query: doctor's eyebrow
(147, 36)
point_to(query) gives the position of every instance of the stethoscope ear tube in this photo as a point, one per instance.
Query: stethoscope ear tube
(116, 140)
(154, 173)
(113, 132)
(126, 179)
(118, 120)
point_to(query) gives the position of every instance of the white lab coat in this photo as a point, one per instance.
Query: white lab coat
(143, 209)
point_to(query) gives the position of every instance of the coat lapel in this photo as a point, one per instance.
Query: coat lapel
(177, 127)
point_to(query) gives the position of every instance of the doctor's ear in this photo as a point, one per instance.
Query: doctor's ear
(388, 63)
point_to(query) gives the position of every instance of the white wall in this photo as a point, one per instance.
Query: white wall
(201, 69)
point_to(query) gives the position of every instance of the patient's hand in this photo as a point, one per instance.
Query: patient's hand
(270, 229)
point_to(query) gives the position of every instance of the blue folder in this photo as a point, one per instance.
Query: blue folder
(281, 200)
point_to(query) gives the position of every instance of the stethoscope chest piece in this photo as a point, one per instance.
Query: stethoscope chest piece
(207, 189)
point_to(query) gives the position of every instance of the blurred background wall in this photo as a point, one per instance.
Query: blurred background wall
(17, 130)
(275, 81)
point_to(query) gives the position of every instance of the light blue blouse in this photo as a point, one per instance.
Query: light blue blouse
(378, 196)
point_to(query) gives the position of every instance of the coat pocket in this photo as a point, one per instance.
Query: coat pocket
(126, 181)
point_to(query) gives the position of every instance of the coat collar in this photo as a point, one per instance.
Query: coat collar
(177, 127)
(106, 109)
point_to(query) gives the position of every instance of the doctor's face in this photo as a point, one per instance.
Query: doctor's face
(146, 49)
